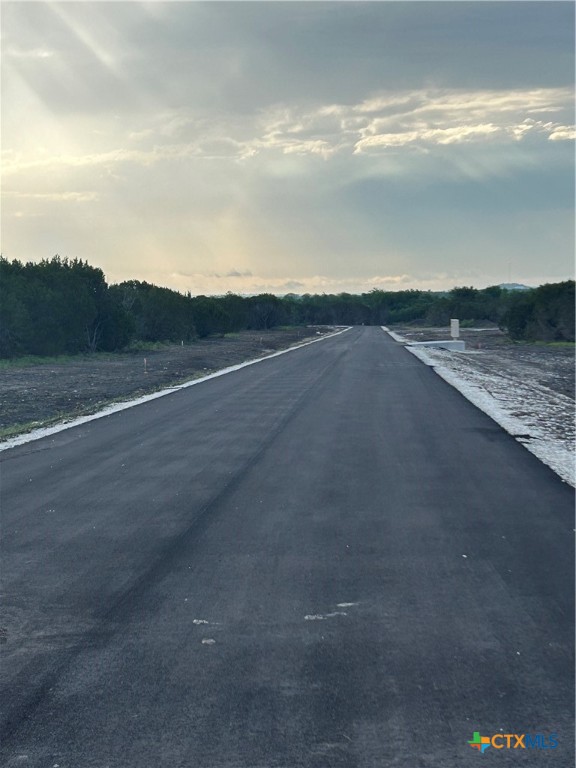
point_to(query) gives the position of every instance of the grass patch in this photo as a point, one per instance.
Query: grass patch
(28, 361)
(542, 343)
(151, 346)
(19, 429)
(564, 344)
(13, 430)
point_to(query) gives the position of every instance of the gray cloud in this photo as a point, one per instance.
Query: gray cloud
(316, 144)
(292, 285)
(238, 57)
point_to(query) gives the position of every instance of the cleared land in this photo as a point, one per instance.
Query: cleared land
(550, 365)
(34, 394)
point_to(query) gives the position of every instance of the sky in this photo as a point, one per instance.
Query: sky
(303, 147)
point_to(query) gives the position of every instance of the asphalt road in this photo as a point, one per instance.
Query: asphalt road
(329, 559)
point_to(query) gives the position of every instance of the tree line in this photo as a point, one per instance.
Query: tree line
(62, 306)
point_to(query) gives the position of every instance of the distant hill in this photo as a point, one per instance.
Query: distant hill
(514, 287)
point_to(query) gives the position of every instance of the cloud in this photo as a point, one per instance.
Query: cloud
(214, 284)
(456, 135)
(242, 58)
(562, 133)
(31, 53)
(425, 117)
(292, 285)
(59, 197)
(310, 143)
(391, 280)
(433, 280)
(414, 119)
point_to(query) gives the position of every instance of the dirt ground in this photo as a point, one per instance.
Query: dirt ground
(550, 365)
(40, 394)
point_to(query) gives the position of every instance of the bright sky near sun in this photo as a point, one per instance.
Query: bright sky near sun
(291, 147)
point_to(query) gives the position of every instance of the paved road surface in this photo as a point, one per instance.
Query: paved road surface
(326, 560)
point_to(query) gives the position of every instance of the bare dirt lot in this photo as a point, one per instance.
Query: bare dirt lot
(32, 395)
(550, 365)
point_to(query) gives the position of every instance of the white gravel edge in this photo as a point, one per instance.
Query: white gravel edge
(41, 432)
(549, 451)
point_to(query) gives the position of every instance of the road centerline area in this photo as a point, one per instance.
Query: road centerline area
(327, 559)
